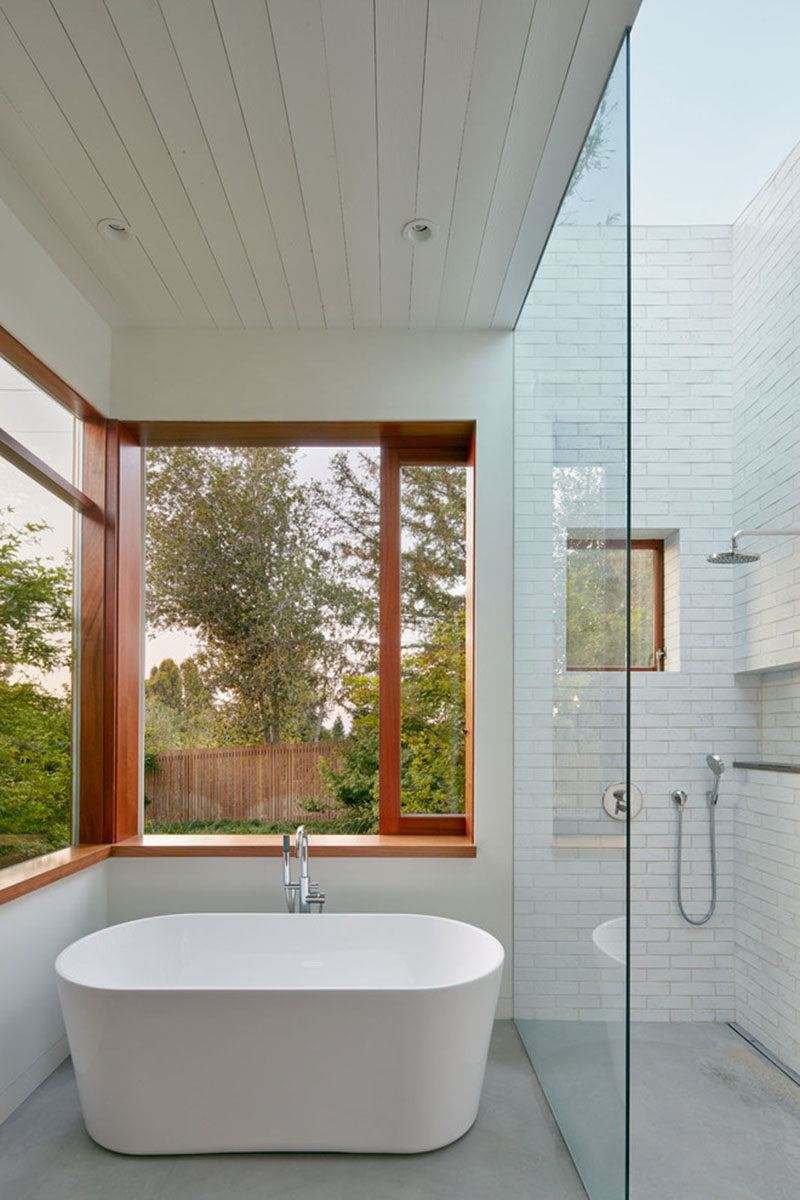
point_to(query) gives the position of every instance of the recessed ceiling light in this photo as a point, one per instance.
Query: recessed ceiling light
(419, 230)
(114, 229)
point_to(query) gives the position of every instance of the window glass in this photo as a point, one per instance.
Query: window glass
(36, 622)
(261, 696)
(596, 597)
(38, 421)
(433, 582)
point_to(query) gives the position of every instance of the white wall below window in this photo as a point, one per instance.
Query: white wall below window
(34, 929)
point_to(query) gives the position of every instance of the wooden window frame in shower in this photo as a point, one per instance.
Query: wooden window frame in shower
(657, 546)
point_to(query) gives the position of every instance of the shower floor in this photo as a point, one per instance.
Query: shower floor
(710, 1117)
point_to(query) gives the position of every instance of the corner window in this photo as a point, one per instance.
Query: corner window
(308, 608)
(39, 445)
(596, 597)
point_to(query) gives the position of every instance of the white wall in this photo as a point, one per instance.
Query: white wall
(766, 324)
(235, 375)
(45, 312)
(33, 931)
(41, 308)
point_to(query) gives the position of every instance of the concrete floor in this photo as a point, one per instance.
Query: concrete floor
(513, 1152)
(710, 1117)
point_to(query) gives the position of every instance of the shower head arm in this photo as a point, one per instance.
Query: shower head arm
(762, 533)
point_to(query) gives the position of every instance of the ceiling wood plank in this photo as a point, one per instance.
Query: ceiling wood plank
(267, 153)
(42, 33)
(502, 37)
(144, 34)
(400, 35)
(554, 32)
(248, 41)
(598, 44)
(449, 59)
(349, 30)
(139, 285)
(198, 42)
(300, 47)
(95, 39)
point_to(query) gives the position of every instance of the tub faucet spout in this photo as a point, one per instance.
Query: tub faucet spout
(290, 889)
(311, 898)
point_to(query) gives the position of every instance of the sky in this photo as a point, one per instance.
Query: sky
(715, 105)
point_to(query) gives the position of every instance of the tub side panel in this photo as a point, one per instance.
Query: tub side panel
(172, 1072)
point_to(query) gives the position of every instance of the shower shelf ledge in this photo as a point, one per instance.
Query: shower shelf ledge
(786, 768)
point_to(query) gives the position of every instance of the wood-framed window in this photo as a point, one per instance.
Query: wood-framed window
(107, 497)
(104, 735)
(596, 593)
(438, 800)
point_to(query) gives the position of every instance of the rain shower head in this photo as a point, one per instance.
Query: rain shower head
(715, 763)
(734, 555)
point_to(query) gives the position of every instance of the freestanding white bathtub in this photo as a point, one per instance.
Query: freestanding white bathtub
(261, 1031)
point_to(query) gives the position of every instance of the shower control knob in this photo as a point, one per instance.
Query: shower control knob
(615, 801)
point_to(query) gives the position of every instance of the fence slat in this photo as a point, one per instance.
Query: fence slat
(240, 783)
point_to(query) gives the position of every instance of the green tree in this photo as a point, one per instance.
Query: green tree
(433, 573)
(596, 607)
(433, 557)
(179, 708)
(237, 552)
(35, 725)
(35, 605)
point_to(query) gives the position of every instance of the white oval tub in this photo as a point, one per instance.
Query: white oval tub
(207, 1032)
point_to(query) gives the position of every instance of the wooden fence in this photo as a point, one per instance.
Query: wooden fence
(240, 783)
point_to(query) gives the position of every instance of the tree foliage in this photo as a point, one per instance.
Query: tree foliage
(433, 571)
(237, 553)
(35, 725)
(35, 605)
(278, 578)
(596, 607)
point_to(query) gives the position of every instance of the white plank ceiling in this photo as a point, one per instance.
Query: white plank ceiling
(266, 154)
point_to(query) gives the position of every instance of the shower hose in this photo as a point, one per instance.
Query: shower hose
(712, 841)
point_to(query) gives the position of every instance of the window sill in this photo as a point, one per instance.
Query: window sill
(239, 845)
(26, 877)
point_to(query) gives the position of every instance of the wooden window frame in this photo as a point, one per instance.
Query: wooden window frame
(394, 456)
(400, 443)
(110, 509)
(656, 545)
(105, 758)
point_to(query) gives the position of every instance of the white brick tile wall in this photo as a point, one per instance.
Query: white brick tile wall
(570, 416)
(716, 370)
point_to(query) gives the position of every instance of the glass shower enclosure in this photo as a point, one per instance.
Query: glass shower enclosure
(572, 644)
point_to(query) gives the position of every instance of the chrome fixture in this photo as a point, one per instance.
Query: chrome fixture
(734, 555)
(680, 799)
(615, 801)
(311, 899)
(716, 765)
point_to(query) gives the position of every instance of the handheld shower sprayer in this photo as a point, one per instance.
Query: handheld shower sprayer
(717, 766)
(679, 797)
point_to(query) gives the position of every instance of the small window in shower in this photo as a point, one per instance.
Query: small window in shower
(596, 596)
